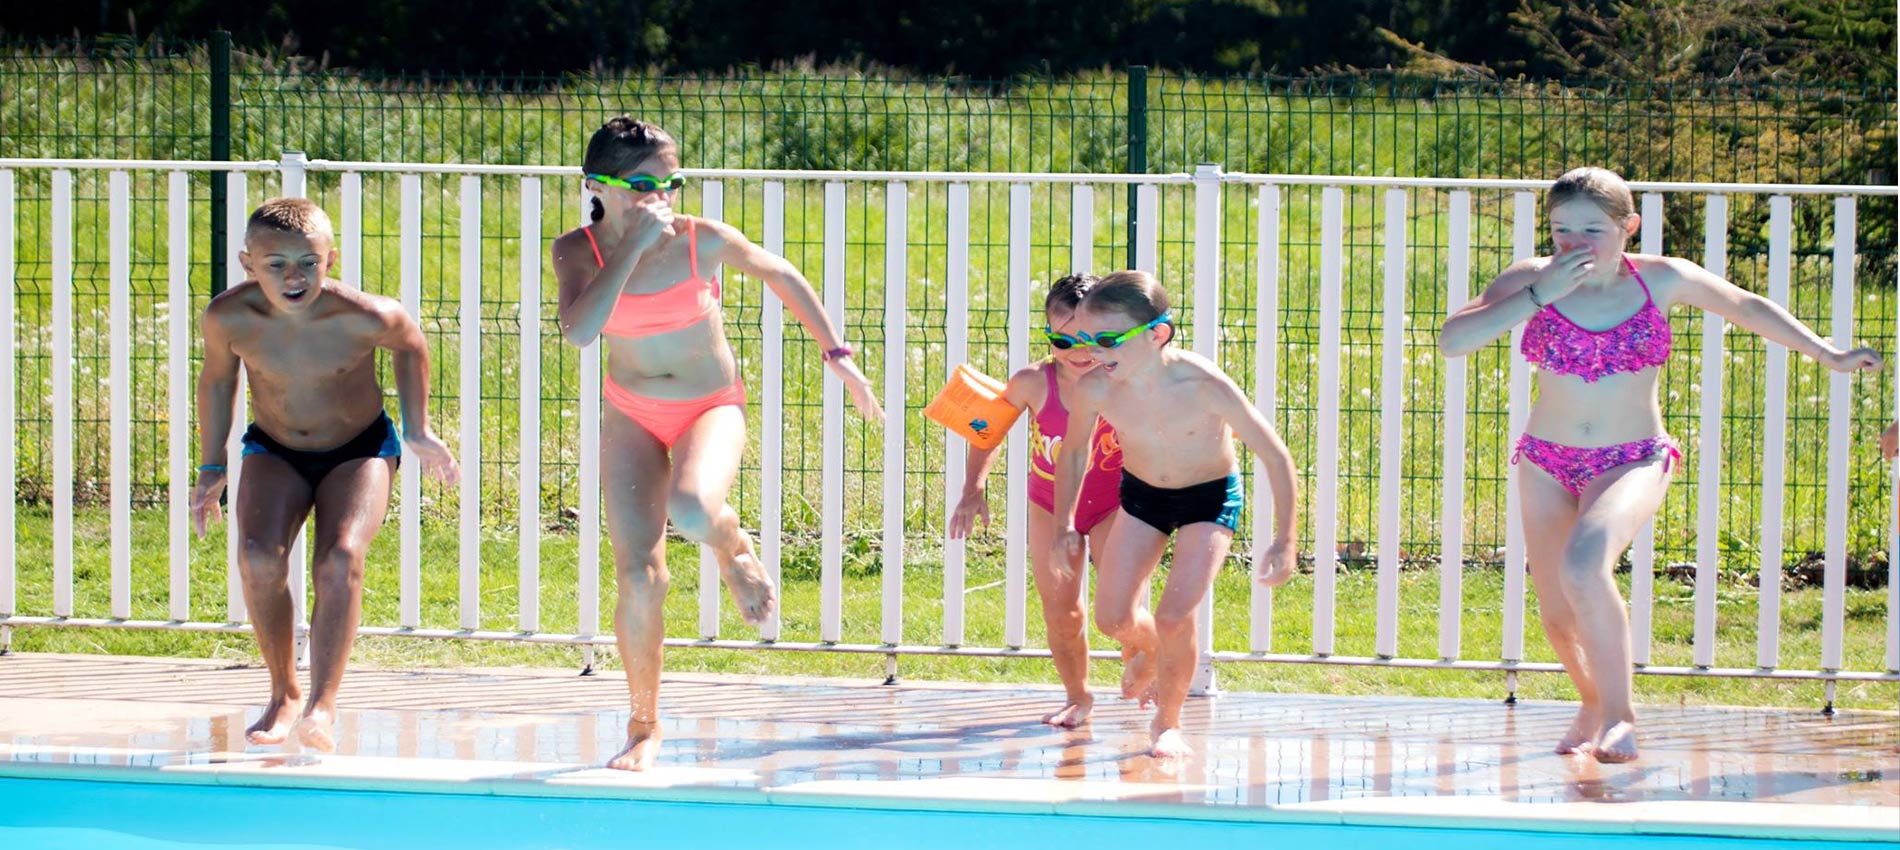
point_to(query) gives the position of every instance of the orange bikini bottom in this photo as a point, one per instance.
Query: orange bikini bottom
(666, 418)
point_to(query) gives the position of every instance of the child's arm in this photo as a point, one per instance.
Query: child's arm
(1022, 386)
(1890, 441)
(1071, 466)
(1511, 299)
(217, 392)
(1698, 287)
(589, 290)
(409, 359)
(792, 288)
(1257, 434)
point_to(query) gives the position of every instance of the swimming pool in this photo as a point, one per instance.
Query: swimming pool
(43, 814)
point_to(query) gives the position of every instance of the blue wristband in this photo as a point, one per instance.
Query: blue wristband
(211, 467)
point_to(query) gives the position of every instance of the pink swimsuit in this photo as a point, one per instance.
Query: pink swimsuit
(682, 305)
(1101, 485)
(1554, 343)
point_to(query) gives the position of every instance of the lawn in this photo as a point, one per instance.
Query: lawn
(984, 604)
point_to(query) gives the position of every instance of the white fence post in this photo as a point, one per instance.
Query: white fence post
(1774, 440)
(62, 369)
(1266, 383)
(1391, 426)
(1451, 556)
(896, 366)
(1207, 335)
(831, 546)
(469, 405)
(1016, 449)
(1326, 456)
(9, 483)
(1708, 550)
(528, 473)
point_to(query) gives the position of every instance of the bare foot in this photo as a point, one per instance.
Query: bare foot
(1169, 743)
(1138, 674)
(313, 731)
(274, 725)
(643, 746)
(751, 588)
(1581, 736)
(1617, 743)
(1073, 714)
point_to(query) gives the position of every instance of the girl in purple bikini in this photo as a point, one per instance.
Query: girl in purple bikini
(1599, 461)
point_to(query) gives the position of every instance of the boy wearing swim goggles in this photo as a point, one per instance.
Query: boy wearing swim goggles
(1176, 414)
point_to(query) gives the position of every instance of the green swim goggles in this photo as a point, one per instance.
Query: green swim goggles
(1106, 339)
(642, 182)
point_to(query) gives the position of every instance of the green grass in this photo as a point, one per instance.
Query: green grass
(1480, 623)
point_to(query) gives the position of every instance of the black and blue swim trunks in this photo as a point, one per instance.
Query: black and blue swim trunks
(378, 440)
(1218, 501)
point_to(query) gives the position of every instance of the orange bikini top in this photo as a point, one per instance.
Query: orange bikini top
(681, 305)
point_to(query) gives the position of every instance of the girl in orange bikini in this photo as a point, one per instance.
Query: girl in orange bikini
(642, 277)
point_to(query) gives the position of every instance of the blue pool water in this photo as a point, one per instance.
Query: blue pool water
(45, 814)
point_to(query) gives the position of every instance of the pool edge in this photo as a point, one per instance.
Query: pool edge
(1854, 824)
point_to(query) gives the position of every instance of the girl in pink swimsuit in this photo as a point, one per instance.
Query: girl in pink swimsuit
(643, 279)
(1038, 389)
(1599, 461)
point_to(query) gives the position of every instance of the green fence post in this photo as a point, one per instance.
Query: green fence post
(1137, 144)
(220, 150)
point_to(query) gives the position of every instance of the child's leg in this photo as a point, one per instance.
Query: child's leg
(1614, 507)
(272, 501)
(1549, 513)
(1199, 550)
(1059, 582)
(633, 473)
(705, 462)
(1123, 567)
(351, 504)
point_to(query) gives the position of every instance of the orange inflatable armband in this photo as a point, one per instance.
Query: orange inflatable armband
(972, 404)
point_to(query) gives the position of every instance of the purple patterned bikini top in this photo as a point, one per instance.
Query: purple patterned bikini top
(1553, 342)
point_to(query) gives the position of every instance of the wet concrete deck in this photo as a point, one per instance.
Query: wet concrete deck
(1729, 771)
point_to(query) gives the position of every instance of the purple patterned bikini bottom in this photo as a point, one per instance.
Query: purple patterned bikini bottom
(1576, 466)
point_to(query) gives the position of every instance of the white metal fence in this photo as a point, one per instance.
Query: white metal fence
(1208, 197)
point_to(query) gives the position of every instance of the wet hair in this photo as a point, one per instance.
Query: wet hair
(619, 145)
(1068, 291)
(1134, 293)
(1599, 186)
(290, 215)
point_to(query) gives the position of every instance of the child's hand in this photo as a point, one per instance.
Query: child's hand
(1890, 441)
(863, 396)
(1276, 564)
(1852, 361)
(649, 219)
(972, 505)
(1069, 544)
(1566, 272)
(204, 500)
(436, 460)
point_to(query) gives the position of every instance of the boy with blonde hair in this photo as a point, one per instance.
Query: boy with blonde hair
(319, 438)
